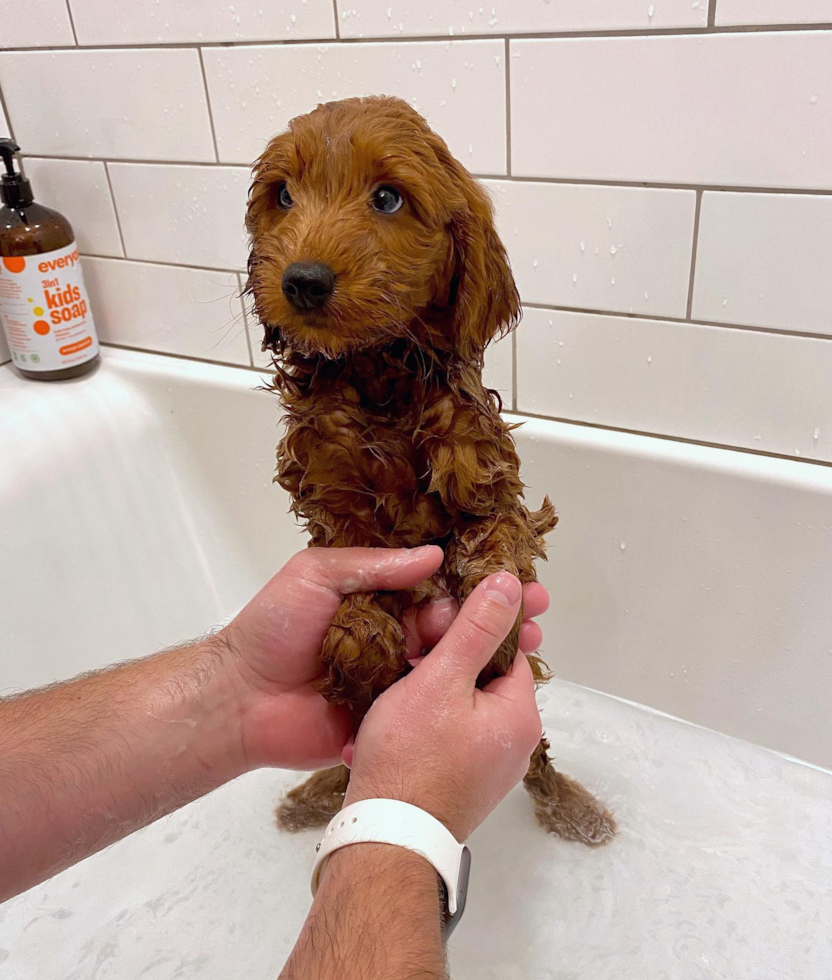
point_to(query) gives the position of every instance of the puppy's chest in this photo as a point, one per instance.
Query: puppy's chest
(363, 464)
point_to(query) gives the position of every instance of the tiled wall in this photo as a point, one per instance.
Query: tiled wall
(662, 172)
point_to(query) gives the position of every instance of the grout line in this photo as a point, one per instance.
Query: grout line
(6, 114)
(71, 21)
(508, 108)
(693, 253)
(115, 210)
(175, 265)
(208, 106)
(514, 370)
(778, 331)
(513, 178)
(712, 14)
(443, 39)
(245, 318)
(655, 185)
(143, 161)
(679, 439)
(337, 26)
(181, 357)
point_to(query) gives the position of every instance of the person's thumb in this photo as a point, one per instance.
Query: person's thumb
(484, 621)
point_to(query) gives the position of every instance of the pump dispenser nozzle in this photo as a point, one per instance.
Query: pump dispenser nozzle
(15, 189)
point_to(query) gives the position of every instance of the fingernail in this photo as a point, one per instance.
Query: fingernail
(504, 588)
(422, 550)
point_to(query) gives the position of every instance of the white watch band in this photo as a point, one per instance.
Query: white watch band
(404, 825)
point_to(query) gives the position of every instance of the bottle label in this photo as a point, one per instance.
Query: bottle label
(45, 310)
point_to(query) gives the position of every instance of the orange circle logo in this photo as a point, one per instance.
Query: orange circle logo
(15, 263)
(41, 327)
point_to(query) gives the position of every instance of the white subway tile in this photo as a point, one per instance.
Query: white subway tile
(188, 215)
(764, 260)
(255, 91)
(624, 249)
(400, 18)
(730, 12)
(748, 109)
(78, 189)
(712, 384)
(498, 369)
(142, 104)
(164, 308)
(34, 24)
(4, 123)
(172, 21)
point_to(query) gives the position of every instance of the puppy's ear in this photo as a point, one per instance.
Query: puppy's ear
(483, 292)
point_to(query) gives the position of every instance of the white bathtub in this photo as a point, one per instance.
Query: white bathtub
(137, 510)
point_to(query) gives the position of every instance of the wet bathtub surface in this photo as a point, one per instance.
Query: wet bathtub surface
(722, 869)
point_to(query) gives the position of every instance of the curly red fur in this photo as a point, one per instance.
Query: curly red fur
(391, 438)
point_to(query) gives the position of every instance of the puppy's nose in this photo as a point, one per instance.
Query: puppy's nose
(308, 285)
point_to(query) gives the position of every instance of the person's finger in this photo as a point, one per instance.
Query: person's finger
(424, 627)
(484, 621)
(531, 636)
(535, 600)
(434, 620)
(517, 685)
(348, 752)
(412, 640)
(343, 571)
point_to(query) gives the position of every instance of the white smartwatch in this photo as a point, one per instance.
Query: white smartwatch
(403, 825)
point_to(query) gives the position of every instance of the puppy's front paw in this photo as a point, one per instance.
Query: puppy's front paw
(364, 653)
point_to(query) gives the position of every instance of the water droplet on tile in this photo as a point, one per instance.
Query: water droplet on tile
(813, 100)
(574, 277)
(623, 546)
(816, 435)
(583, 246)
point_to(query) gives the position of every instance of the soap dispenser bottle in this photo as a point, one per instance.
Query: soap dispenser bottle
(44, 307)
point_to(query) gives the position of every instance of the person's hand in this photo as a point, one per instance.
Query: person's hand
(275, 643)
(434, 739)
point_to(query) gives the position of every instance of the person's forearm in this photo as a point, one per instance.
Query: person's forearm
(377, 914)
(83, 764)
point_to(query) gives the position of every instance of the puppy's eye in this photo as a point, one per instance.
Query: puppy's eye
(284, 198)
(387, 200)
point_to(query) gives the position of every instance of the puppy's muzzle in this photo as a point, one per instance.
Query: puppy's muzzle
(308, 285)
